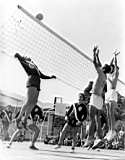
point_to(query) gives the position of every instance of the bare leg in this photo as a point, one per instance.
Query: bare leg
(62, 135)
(108, 120)
(108, 116)
(36, 131)
(32, 97)
(74, 132)
(92, 125)
(98, 124)
(98, 139)
(13, 137)
(112, 134)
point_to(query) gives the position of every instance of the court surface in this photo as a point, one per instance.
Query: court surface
(21, 151)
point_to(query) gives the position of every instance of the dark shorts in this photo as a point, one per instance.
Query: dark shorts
(38, 88)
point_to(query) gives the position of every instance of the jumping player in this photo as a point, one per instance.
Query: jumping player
(112, 97)
(33, 86)
(96, 100)
(31, 126)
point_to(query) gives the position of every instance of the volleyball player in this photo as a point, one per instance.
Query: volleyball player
(33, 86)
(96, 100)
(31, 126)
(112, 98)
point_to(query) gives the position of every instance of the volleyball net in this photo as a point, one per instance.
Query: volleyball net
(53, 54)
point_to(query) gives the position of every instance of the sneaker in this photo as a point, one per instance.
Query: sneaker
(33, 147)
(97, 143)
(58, 146)
(88, 143)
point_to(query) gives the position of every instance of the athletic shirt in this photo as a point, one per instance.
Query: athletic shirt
(80, 115)
(33, 73)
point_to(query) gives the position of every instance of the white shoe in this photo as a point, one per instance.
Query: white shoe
(96, 143)
(88, 143)
(58, 146)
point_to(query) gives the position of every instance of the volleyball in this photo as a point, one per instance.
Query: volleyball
(39, 16)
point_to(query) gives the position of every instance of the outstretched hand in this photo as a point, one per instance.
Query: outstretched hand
(116, 53)
(53, 76)
(16, 55)
(96, 50)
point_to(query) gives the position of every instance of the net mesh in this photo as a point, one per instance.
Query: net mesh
(22, 34)
(53, 55)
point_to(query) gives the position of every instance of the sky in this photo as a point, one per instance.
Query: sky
(84, 23)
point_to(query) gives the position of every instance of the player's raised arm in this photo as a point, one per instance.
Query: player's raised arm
(96, 60)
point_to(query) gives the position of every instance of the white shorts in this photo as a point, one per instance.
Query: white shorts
(96, 101)
(111, 95)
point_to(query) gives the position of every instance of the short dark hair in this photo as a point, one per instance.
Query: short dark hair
(82, 94)
(106, 68)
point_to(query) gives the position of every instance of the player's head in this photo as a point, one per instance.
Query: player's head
(106, 68)
(81, 97)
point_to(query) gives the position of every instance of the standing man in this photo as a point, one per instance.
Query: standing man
(33, 86)
(76, 114)
(96, 100)
(111, 98)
